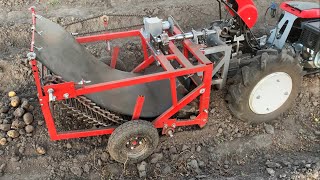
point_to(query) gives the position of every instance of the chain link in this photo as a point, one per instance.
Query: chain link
(84, 109)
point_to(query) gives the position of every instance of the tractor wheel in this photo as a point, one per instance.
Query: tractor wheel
(265, 88)
(133, 141)
(120, 65)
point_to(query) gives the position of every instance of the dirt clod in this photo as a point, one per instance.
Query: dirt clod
(5, 127)
(19, 112)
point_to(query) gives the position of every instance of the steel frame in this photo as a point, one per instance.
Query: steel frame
(165, 120)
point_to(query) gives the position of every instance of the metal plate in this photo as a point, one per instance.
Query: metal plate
(270, 93)
(58, 50)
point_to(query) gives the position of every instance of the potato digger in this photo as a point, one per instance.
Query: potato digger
(171, 87)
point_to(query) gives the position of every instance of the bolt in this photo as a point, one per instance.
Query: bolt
(206, 111)
(202, 90)
(165, 126)
(66, 96)
(170, 133)
(204, 120)
(140, 142)
(174, 125)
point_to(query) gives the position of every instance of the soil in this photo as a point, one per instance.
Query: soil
(226, 148)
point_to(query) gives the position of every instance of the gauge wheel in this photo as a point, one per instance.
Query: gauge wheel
(133, 141)
(119, 65)
(265, 88)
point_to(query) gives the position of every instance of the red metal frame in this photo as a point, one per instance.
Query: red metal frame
(165, 120)
(247, 11)
(307, 14)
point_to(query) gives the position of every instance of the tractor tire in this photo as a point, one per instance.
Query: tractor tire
(266, 88)
(120, 65)
(133, 141)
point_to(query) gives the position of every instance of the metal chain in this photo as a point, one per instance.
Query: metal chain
(84, 109)
(109, 29)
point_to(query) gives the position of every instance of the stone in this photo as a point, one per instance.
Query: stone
(167, 170)
(13, 134)
(269, 128)
(156, 157)
(3, 141)
(25, 104)
(28, 118)
(5, 127)
(40, 150)
(271, 172)
(185, 147)
(69, 146)
(12, 93)
(76, 171)
(22, 149)
(86, 168)
(193, 164)
(142, 169)
(198, 149)
(29, 129)
(1, 152)
(40, 122)
(271, 164)
(16, 124)
(173, 150)
(19, 112)
(104, 157)
(4, 109)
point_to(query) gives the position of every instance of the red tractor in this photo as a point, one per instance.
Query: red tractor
(175, 77)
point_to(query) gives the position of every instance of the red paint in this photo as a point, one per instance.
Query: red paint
(307, 14)
(115, 55)
(138, 108)
(165, 120)
(247, 11)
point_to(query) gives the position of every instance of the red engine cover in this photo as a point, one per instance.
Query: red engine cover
(307, 10)
(246, 10)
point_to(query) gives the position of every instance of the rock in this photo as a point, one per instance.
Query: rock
(282, 176)
(193, 164)
(220, 130)
(25, 104)
(173, 150)
(5, 127)
(269, 128)
(167, 170)
(3, 141)
(185, 147)
(40, 150)
(270, 171)
(2, 167)
(16, 124)
(315, 103)
(22, 132)
(15, 101)
(76, 171)
(156, 157)
(4, 109)
(29, 129)
(1, 152)
(69, 146)
(22, 149)
(142, 169)
(104, 157)
(198, 148)
(40, 122)
(86, 168)
(31, 108)
(212, 111)
(270, 164)
(28, 118)
(13, 134)
(19, 112)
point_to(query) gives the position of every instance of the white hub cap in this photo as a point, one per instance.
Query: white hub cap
(270, 93)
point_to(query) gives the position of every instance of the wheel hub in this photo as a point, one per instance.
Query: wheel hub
(270, 93)
(136, 146)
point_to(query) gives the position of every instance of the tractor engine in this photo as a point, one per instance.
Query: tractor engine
(310, 44)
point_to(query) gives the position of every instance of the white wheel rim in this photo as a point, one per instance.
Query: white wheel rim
(270, 93)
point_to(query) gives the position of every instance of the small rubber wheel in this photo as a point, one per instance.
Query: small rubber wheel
(120, 65)
(265, 88)
(133, 141)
